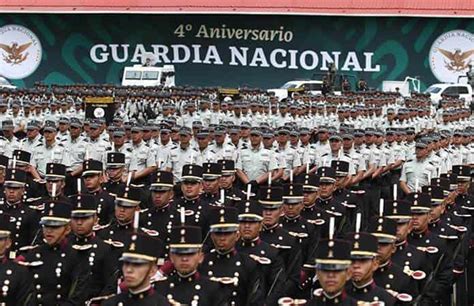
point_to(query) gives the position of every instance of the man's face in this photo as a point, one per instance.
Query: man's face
(74, 131)
(255, 139)
(165, 136)
(184, 139)
(323, 136)
(420, 221)
(161, 198)
(310, 197)
(249, 230)
(335, 145)
(124, 214)
(292, 210)
(403, 229)
(326, 189)
(82, 227)
(59, 187)
(420, 153)
(436, 212)
(268, 142)
(55, 234)
(384, 252)
(362, 270)
(220, 138)
(32, 133)
(49, 136)
(224, 241)
(244, 132)
(63, 127)
(115, 173)
(92, 181)
(463, 187)
(271, 216)
(305, 138)
(14, 194)
(186, 263)
(234, 137)
(347, 144)
(118, 140)
(135, 274)
(226, 181)
(94, 132)
(333, 282)
(203, 141)
(191, 189)
(137, 136)
(282, 138)
(210, 186)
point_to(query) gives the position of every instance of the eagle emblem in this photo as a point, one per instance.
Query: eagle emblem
(458, 60)
(14, 54)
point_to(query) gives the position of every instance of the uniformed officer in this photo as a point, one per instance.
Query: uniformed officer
(333, 259)
(390, 276)
(139, 266)
(417, 173)
(8, 142)
(26, 219)
(115, 172)
(93, 251)
(269, 261)
(210, 184)
(142, 161)
(254, 164)
(96, 145)
(33, 136)
(15, 278)
(160, 214)
(271, 200)
(225, 262)
(232, 193)
(116, 233)
(362, 286)
(183, 154)
(50, 151)
(305, 233)
(406, 255)
(92, 175)
(438, 288)
(75, 143)
(288, 152)
(187, 285)
(58, 277)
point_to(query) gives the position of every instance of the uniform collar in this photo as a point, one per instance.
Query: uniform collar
(141, 294)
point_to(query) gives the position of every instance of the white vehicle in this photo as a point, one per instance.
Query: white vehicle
(404, 87)
(312, 86)
(5, 84)
(139, 75)
(462, 91)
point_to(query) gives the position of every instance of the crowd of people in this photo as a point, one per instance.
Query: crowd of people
(212, 196)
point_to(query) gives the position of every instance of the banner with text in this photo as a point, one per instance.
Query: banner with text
(241, 50)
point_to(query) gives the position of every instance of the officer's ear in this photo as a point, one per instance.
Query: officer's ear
(375, 264)
(348, 274)
(201, 257)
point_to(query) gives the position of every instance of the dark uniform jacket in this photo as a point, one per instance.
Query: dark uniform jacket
(242, 273)
(58, 276)
(16, 282)
(191, 288)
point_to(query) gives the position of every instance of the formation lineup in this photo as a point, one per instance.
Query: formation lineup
(115, 195)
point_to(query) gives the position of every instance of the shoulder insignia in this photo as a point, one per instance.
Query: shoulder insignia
(150, 232)
(94, 301)
(28, 247)
(410, 160)
(98, 227)
(30, 264)
(318, 292)
(137, 185)
(298, 235)
(115, 244)
(144, 210)
(279, 246)
(79, 247)
(39, 144)
(225, 280)
(428, 249)
(260, 259)
(325, 154)
(129, 149)
(60, 144)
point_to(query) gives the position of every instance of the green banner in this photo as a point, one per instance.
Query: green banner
(232, 50)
